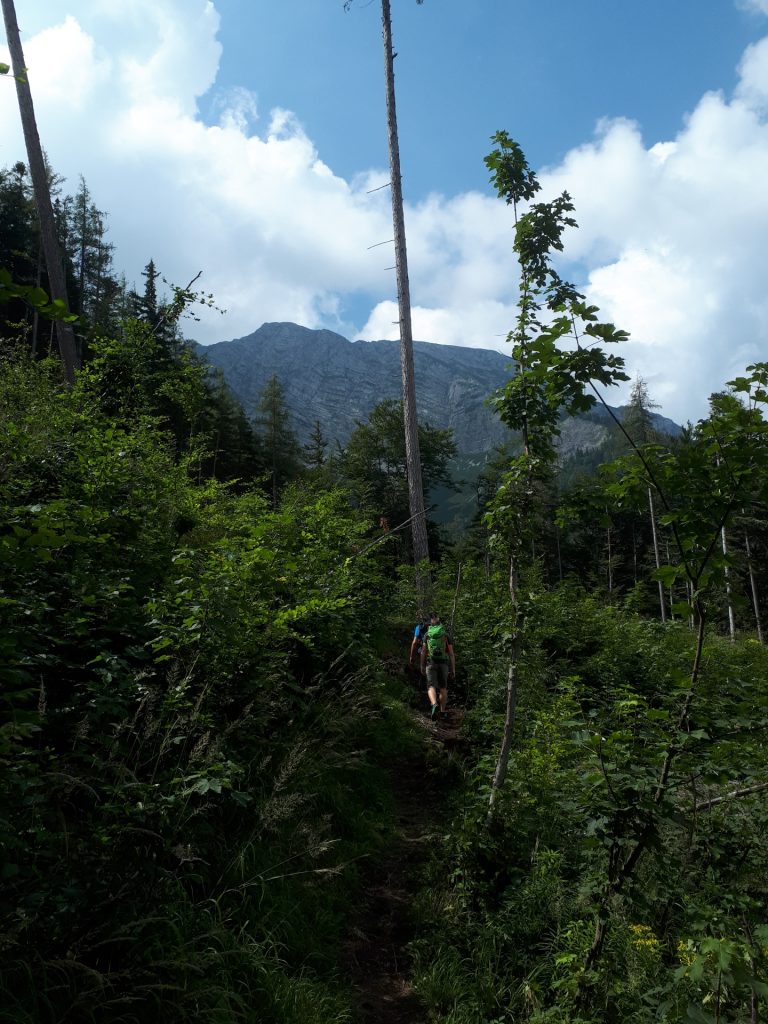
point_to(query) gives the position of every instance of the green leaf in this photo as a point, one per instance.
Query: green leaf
(4, 68)
(698, 1016)
(666, 574)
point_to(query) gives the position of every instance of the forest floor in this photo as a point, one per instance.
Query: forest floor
(376, 956)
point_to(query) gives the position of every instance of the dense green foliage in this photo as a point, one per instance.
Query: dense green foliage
(374, 468)
(601, 695)
(189, 714)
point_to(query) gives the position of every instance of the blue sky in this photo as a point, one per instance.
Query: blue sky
(242, 137)
(544, 70)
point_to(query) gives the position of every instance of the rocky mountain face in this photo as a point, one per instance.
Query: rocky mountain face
(328, 378)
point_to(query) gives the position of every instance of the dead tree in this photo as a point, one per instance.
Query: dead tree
(412, 453)
(56, 279)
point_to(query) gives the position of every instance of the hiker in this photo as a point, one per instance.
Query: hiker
(419, 634)
(438, 664)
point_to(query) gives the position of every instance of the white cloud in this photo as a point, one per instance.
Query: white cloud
(65, 68)
(480, 324)
(277, 234)
(248, 200)
(758, 6)
(753, 84)
(671, 239)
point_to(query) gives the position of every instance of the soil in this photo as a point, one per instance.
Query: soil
(376, 956)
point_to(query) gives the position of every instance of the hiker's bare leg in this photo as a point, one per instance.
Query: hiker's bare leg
(432, 694)
(443, 700)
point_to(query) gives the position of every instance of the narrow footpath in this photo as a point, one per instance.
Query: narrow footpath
(377, 962)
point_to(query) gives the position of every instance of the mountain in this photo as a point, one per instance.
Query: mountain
(327, 378)
(338, 382)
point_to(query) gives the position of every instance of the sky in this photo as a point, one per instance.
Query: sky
(243, 139)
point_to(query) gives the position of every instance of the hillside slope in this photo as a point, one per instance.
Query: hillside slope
(328, 378)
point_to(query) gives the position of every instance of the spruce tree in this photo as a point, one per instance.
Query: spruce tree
(315, 449)
(280, 445)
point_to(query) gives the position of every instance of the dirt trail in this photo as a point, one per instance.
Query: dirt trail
(376, 957)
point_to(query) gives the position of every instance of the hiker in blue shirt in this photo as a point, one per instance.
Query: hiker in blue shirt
(438, 665)
(419, 635)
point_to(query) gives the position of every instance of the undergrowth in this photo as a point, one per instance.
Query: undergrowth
(194, 727)
(507, 913)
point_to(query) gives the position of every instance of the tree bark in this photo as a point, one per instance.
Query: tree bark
(502, 763)
(728, 595)
(753, 587)
(53, 261)
(412, 453)
(734, 794)
(610, 566)
(656, 553)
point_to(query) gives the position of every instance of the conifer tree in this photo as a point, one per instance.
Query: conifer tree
(148, 308)
(281, 448)
(17, 234)
(637, 423)
(315, 449)
(375, 461)
(91, 255)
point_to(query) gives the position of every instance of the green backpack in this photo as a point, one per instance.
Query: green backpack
(436, 643)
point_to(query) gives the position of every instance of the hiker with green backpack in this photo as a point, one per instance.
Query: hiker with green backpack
(438, 665)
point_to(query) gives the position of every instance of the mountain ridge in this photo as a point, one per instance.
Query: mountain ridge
(329, 378)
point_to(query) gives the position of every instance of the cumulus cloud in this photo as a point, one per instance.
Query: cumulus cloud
(670, 244)
(672, 235)
(249, 200)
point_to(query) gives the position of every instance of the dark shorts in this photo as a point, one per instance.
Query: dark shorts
(437, 674)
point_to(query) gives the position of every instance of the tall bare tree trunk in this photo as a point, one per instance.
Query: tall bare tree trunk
(502, 763)
(36, 315)
(516, 647)
(56, 279)
(753, 587)
(671, 589)
(609, 567)
(656, 553)
(412, 454)
(728, 594)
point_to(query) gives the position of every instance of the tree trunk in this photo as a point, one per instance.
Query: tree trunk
(671, 589)
(728, 596)
(610, 566)
(502, 763)
(36, 315)
(455, 600)
(56, 279)
(753, 587)
(412, 454)
(656, 553)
